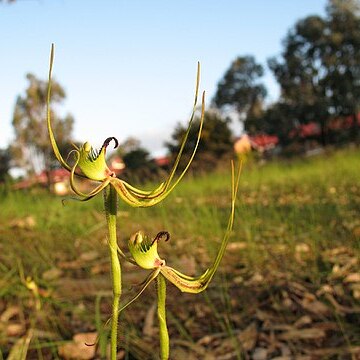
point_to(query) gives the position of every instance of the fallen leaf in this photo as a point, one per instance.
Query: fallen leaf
(238, 280)
(237, 246)
(260, 354)
(52, 274)
(9, 313)
(298, 334)
(341, 308)
(315, 306)
(15, 329)
(276, 327)
(356, 231)
(302, 248)
(324, 289)
(257, 278)
(70, 265)
(352, 278)
(179, 353)
(355, 290)
(248, 337)
(205, 340)
(326, 325)
(263, 316)
(77, 349)
(89, 256)
(25, 223)
(101, 268)
(285, 351)
(328, 352)
(304, 320)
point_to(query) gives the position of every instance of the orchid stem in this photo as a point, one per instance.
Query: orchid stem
(163, 331)
(110, 202)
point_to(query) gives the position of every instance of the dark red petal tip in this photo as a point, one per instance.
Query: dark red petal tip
(108, 140)
(160, 235)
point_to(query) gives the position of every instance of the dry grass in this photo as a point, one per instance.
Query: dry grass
(289, 284)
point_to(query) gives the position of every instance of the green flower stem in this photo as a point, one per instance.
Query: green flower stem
(110, 202)
(163, 331)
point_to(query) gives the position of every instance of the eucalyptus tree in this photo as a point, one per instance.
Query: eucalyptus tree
(319, 69)
(301, 71)
(240, 88)
(216, 141)
(342, 60)
(31, 149)
(4, 164)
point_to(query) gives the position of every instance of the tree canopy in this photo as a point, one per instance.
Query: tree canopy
(319, 70)
(318, 73)
(139, 166)
(342, 59)
(240, 87)
(4, 163)
(301, 72)
(216, 141)
(31, 149)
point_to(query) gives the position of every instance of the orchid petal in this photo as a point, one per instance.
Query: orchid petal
(127, 258)
(177, 160)
(163, 187)
(124, 193)
(132, 199)
(147, 282)
(198, 284)
(51, 133)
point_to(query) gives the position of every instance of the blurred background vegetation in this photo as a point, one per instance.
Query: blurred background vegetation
(288, 286)
(319, 76)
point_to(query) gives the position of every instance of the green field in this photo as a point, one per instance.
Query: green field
(289, 283)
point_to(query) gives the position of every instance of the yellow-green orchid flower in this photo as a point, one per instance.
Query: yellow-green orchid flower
(92, 163)
(145, 254)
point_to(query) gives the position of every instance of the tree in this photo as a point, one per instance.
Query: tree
(4, 164)
(139, 166)
(301, 72)
(215, 144)
(278, 119)
(342, 59)
(343, 7)
(319, 72)
(128, 145)
(31, 148)
(240, 88)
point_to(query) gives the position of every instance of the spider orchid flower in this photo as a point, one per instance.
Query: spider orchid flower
(145, 254)
(91, 163)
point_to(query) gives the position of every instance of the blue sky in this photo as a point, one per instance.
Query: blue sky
(129, 67)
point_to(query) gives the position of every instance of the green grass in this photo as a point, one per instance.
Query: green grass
(289, 217)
